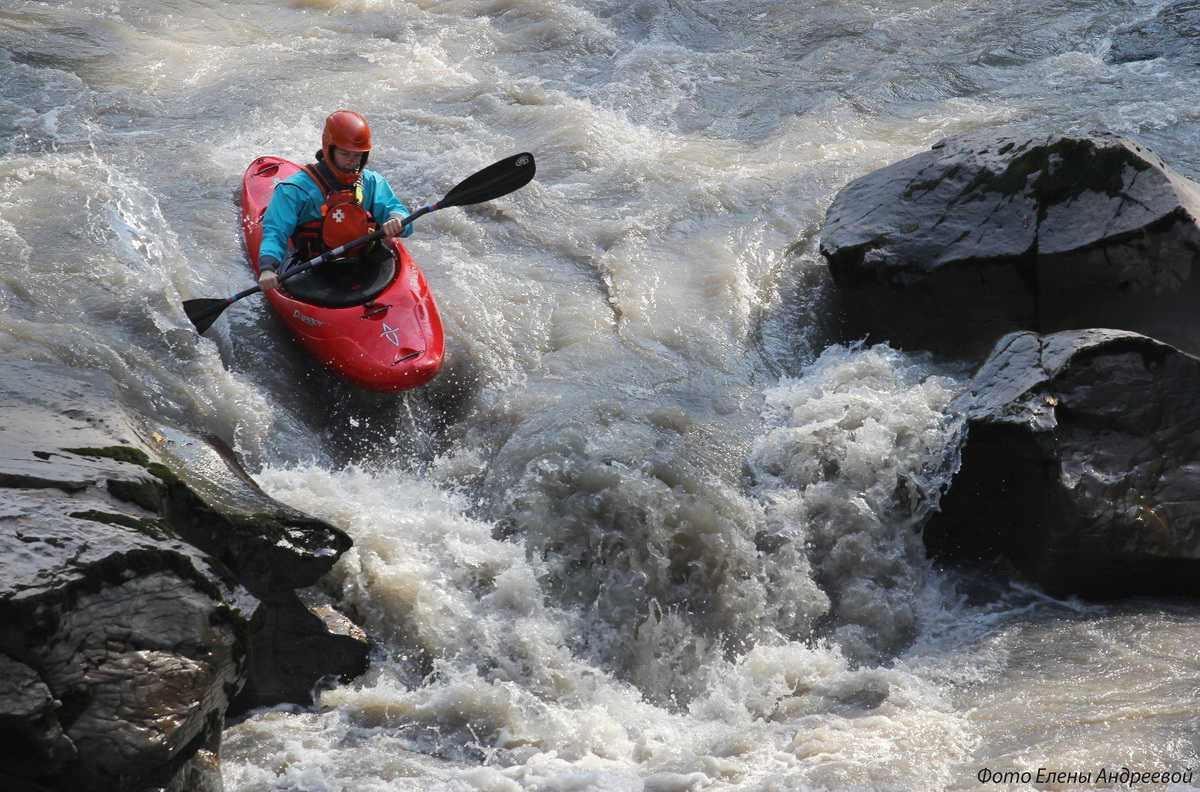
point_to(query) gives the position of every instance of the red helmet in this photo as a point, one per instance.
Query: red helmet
(348, 131)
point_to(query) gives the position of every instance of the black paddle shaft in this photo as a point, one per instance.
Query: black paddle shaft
(496, 180)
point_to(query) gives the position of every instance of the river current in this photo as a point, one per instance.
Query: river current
(651, 528)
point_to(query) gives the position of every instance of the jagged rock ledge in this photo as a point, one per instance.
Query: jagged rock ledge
(150, 589)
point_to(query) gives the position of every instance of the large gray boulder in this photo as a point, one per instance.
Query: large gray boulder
(143, 579)
(1080, 465)
(991, 232)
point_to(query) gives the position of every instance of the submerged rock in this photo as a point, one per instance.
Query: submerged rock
(1174, 32)
(990, 233)
(143, 574)
(1080, 465)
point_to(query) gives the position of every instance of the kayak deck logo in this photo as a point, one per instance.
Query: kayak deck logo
(308, 320)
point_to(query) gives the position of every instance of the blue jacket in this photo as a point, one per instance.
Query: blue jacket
(298, 200)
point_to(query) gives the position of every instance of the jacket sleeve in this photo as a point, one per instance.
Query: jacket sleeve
(280, 221)
(385, 204)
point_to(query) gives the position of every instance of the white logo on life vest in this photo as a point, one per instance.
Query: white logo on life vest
(391, 334)
(308, 319)
(339, 216)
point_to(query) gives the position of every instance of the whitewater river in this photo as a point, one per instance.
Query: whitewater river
(651, 529)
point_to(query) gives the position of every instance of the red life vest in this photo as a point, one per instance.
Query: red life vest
(343, 219)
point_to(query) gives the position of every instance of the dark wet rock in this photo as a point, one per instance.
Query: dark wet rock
(1080, 466)
(1174, 32)
(990, 233)
(297, 646)
(143, 573)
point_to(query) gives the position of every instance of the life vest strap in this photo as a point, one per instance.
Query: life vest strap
(343, 218)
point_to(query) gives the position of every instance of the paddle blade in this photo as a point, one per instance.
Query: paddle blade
(204, 312)
(499, 178)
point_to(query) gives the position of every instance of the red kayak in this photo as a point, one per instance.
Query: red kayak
(372, 322)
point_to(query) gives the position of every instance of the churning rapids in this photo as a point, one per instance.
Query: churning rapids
(650, 529)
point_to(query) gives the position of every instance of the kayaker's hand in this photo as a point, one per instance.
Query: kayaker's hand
(393, 227)
(268, 280)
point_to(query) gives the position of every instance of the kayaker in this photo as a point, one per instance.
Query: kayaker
(337, 187)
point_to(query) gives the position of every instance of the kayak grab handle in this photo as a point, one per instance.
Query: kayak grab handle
(267, 169)
(376, 312)
(409, 356)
